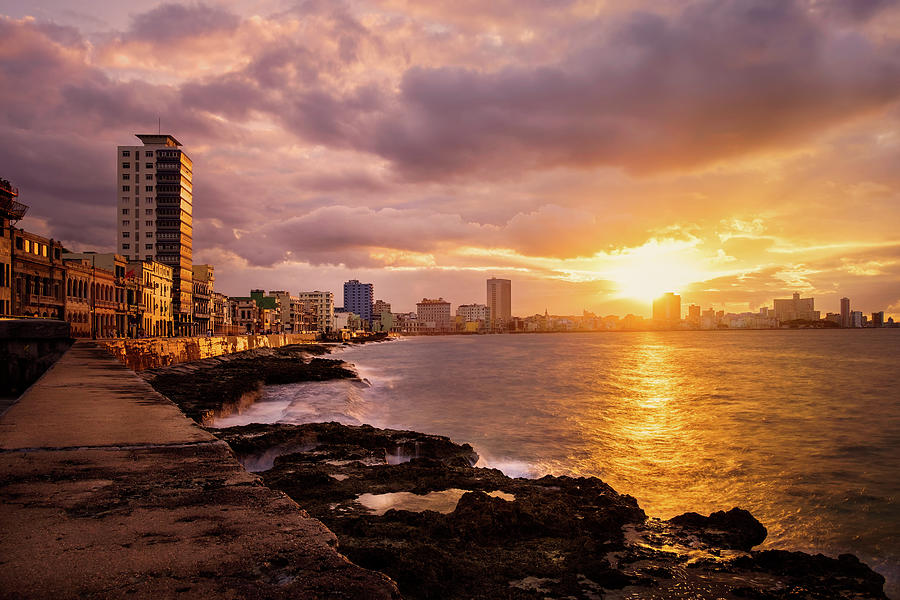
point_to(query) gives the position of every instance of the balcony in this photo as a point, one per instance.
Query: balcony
(11, 209)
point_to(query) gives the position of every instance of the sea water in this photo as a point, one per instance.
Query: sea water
(800, 427)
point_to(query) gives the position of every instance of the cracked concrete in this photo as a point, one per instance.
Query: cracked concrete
(108, 489)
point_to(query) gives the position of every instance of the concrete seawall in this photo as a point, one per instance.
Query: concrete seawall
(149, 353)
(108, 490)
(27, 348)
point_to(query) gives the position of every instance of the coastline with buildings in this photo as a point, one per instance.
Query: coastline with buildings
(150, 286)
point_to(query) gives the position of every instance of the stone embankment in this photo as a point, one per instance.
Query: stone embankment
(27, 348)
(109, 491)
(140, 354)
(414, 507)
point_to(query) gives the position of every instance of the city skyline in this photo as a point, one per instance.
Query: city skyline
(309, 174)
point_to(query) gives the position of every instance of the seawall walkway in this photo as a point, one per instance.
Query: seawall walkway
(108, 490)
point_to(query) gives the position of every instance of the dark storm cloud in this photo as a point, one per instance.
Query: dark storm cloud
(175, 22)
(717, 80)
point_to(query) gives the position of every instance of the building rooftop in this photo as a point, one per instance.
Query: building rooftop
(158, 139)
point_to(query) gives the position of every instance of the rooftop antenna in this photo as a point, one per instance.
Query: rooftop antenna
(158, 125)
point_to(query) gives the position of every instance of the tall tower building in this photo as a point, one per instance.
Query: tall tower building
(154, 214)
(845, 312)
(667, 308)
(358, 298)
(499, 301)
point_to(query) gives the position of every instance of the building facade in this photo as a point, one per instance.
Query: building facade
(795, 308)
(108, 267)
(79, 310)
(154, 215)
(38, 276)
(11, 211)
(473, 313)
(244, 314)
(433, 316)
(667, 308)
(204, 280)
(322, 305)
(845, 312)
(358, 298)
(150, 299)
(499, 301)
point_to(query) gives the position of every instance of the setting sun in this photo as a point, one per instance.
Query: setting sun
(649, 271)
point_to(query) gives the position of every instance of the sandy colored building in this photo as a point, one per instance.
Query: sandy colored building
(499, 301)
(150, 302)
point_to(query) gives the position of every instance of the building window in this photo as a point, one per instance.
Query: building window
(148, 246)
(148, 188)
(126, 177)
(126, 153)
(148, 223)
(149, 176)
(126, 223)
(126, 165)
(148, 153)
(124, 211)
(149, 200)
(126, 234)
(148, 211)
(126, 188)
(149, 165)
(149, 234)
(126, 246)
(148, 258)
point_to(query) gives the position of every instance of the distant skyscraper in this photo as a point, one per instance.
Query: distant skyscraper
(845, 312)
(878, 319)
(154, 214)
(358, 298)
(499, 295)
(667, 308)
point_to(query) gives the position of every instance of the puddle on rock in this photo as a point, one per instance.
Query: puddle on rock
(443, 502)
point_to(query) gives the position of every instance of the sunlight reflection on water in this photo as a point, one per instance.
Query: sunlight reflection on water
(800, 428)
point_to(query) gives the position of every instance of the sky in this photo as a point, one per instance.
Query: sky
(595, 153)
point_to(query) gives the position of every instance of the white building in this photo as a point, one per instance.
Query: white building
(154, 214)
(474, 312)
(323, 305)
(434, 315)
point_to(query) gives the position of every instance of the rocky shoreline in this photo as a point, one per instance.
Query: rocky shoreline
(414, 507)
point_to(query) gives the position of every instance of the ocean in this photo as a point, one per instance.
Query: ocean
(800, 427)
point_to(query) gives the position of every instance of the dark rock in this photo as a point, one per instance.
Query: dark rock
(216, 387)
(736, 528)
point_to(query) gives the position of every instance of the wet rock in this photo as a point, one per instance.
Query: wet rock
(550, 537)
(736, 528)
(817, 576)
(216, 387)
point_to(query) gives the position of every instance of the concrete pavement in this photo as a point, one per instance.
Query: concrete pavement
(108, 490)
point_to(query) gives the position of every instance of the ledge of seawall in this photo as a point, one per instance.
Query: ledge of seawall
(27, 349)
(148, 353)
(109, 490)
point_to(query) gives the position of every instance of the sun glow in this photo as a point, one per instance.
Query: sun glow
(649, 271)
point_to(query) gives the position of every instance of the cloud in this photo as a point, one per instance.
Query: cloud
(648, 93)
(175, 22)
(525, 137)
